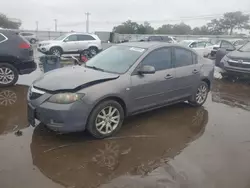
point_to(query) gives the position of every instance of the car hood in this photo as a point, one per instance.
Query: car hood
(239, 55)
(72, 79)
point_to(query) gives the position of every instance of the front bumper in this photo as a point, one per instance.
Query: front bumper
(63, 118)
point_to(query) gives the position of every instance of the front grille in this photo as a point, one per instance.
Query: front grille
(236, 64)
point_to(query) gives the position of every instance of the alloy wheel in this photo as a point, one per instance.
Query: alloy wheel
(6, 75)
(7, 98)
(56, 52)
(201, 94)
(107, 120)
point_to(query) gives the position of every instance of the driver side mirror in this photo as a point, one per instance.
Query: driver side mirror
(146, 69)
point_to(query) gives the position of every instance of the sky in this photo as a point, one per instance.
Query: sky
(105, 14)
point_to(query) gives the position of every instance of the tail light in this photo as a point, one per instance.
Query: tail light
(24, 45)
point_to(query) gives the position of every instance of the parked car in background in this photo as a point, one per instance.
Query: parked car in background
(16, 57)
(158, 38)
(71, 43)
(221, 44)
(31, 37)
(123, 80)
(202, 47)
(236, 62)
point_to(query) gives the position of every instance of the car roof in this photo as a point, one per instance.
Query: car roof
(149, 45)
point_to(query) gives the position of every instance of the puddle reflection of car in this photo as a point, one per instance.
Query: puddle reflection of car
(143, 145)
(121, 81)
(13, 108)
(232, 94)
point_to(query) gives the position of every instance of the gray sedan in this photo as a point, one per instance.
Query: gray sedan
(121, 81)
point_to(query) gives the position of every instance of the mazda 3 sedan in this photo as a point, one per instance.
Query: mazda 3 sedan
(121, 81)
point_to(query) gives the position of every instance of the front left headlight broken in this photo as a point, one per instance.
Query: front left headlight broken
(65, 98)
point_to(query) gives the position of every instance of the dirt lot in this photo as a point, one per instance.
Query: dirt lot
(177, 146)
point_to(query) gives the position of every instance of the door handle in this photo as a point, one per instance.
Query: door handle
(195, 71)
(168, 76)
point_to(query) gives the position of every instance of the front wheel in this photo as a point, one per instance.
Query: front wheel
(106, 119)
(8, 75)
(56, 51)
(200, 96)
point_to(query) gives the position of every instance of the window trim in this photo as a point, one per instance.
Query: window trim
(174, 57)
(70, 36)
(6, 38)
(134, 72)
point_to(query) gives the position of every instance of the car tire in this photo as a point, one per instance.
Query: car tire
(32, 41)
(200, 95)
(56, 51)
(100, 124)
(93, 50)
(11, 72)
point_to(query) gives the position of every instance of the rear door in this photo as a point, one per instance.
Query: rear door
(84, 41)
(70, 44)
(187, 72)
(153, 89)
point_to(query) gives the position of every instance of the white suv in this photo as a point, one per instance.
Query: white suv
(71, 43)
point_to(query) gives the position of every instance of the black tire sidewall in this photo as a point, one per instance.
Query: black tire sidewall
(93, 48)
(16, 75)
(193, 100)
(91, 121)
(55, 48)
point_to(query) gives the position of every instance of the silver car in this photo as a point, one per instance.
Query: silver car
(121, 81)
(31, 37)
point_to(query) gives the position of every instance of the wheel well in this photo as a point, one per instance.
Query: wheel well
(93, 47)
(208, 82)
(117, 99)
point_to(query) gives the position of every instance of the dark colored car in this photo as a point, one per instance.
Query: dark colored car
(236, 62)
(16, 57)
(159, 38)
(123, 80)
(222, 45)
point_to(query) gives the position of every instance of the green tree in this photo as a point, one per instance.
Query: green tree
(145, 28)
(235, 20)
(5, 22)
(165, 29)
(181, 29)
(127, 27)
(215, 27)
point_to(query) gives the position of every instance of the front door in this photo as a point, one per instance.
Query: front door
(150, 90)
(70, 44)
(187, 72)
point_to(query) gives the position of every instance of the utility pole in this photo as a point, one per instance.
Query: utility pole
(87, 21)
(37, 26)
(55, 24)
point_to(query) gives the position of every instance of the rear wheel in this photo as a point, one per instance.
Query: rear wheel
(33, 41)
(56, 51)
(200, 96)
(8, 75)
(93, 51)
(106, 119)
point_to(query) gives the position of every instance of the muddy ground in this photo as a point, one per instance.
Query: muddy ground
(173, 147)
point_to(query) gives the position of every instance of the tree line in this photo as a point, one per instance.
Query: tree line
(225, 25)
(7, 23)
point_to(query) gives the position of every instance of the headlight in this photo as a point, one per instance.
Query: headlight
(65, 98)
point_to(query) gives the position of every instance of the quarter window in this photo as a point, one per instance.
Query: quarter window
(84, 37)
(2, 37)
(160, 59)
(183, 57)
(71, 38)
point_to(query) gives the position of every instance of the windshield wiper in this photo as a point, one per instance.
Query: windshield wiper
(95, 68)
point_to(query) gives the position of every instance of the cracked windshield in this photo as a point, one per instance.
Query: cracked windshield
(124, 94)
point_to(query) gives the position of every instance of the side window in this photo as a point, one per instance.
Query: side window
(71, 38)
(193, 45)
(227, 45)
(84, 37)
(155, 38)
(201, 44)
(167, 39)
(183, 57)
(160, 59)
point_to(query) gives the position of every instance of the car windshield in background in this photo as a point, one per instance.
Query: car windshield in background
(245, 48)
(185, 43)
(61, 37)
(116, 59)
